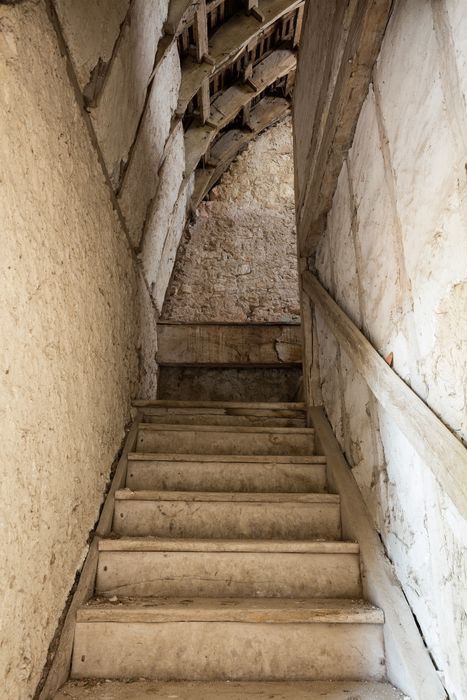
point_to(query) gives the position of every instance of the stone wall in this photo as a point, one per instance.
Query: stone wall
(238, 261)
(394, 257)
(68, 337)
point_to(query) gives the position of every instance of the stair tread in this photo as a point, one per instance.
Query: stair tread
(256, 610)
(233, 690)
(241, 459)
(226, 496)
(159, 544)
(285, 405)
(191, 427)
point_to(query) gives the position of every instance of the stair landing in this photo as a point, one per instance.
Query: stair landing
(152, 690)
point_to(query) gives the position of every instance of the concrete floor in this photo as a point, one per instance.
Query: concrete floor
(149, 690)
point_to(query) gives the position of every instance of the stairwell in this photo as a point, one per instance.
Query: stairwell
(225, 573)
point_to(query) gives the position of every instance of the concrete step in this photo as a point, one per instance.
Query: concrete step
(155, 690)
(227, 515)
(225, 416)
(224, 439)
(229, 639)
(210, 568)
(226, 473)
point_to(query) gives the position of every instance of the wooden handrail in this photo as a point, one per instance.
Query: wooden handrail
(434, 442)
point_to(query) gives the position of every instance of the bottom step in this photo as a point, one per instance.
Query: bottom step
(151, 690)
(229, 639)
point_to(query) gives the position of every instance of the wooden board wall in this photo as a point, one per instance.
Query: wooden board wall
(229, 344)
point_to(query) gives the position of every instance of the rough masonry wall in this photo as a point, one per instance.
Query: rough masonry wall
(238, 262)
(68, 337)
(129, 76)
(394, 256)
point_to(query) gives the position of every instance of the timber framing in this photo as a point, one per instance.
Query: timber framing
(238, 62)
(437, 446)
(325, 121)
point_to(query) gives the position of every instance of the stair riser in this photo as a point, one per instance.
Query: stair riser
(224, 419)
(225, 476)
(224, 443)
(227, 520)
(228, 574)
(228, 651)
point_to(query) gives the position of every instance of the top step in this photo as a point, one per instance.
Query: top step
(292, 418)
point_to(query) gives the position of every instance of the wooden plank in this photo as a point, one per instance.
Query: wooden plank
(227, 44)
(292, 405)
(60, 668)
(147, 544)
(204, 99)
(442, 452)
(231, 102)
(241, 459)
(201, 31)
(412, 671)
(237, 429)
(343, 90)
(225, 497)
(235, 345)
(266, 112)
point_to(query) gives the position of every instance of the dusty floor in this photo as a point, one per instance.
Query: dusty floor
(147, 690)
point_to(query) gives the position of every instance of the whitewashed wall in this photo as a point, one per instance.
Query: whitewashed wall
(394, 256)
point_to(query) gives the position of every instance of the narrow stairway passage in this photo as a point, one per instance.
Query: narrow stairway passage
(225, 574)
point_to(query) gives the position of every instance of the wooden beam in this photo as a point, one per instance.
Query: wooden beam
(268, 111)
(201, 32)
(441, 451)
(354, 43)
(227, 44)
(204, 99)
(298, 26)
(234, 345)
(231, 102)
(411, 668)
(252, 8)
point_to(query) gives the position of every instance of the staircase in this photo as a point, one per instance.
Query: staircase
(225, 575)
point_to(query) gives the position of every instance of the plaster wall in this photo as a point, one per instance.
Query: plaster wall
(394, 256)
(129, 81)
(68, 337)
(238, 260)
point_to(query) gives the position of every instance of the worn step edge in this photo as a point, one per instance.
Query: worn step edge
(193, 428)
(242, 459)
(229, 690)
(152, 544)
(249, 610)
(226, 497)
(249, 405)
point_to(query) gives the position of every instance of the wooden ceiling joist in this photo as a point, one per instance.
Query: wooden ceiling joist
(268, 111)
(231, 102)
(227, 43)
